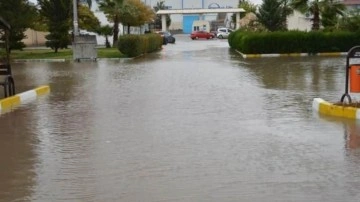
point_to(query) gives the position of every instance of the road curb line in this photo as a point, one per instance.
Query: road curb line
(290, 54)
(13, 101)
(40, 60)
(326, 108)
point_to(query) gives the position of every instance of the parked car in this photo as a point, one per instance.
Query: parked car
(168, 37)
(201, 34)
(223, 33)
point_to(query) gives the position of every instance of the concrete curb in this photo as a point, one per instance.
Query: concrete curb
(326, 108)
(40, 60)
(21, 98)
(290, 54)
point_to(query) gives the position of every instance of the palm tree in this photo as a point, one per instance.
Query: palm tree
(330, 11)
(311, 6)
(112, 9)
(315, 8)
(105, 31)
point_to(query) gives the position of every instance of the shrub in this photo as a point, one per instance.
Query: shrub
(135, 45)
(293, 42)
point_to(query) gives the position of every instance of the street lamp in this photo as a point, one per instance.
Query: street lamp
(75, 18)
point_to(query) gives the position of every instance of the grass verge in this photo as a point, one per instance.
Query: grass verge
(67, 54)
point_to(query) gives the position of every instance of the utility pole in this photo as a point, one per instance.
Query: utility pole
(84, 47)
(75, 14)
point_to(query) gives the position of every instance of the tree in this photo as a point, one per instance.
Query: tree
(286, 10)
(329, 8)
(309, 6)
(330, 12)
(135, 13)
(87, 19)
(351, 21)
(160, 5)
(20, 15)
(88, 2)
(247, 6)
(57, 14)
(270, 15)
(105, 31)
(112, 10)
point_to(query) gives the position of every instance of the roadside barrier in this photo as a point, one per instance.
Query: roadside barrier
(327, 108)
(21, 98)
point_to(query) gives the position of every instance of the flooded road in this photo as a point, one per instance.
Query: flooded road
(194, 122)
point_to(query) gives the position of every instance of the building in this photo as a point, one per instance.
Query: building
(352, 4)
(178, 20)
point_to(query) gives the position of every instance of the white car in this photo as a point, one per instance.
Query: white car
(223, 33)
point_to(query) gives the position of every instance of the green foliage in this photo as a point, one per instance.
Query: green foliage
(105, 31)
(112, 10)
(87, 19)
(293, 42)
(66, 54)
(270, 15)
(135, 13)
(247, 6)
(57, 14)
(330, 12)
(20, 15)
(351, 21)
(135, 45)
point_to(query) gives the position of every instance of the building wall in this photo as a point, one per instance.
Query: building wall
(177, 20)
(34, 38)
(187, 4)
(298, 21)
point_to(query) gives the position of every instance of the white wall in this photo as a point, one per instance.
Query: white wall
(298, 21)
(178, 4)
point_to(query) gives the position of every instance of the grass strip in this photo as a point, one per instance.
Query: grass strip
(67, 54)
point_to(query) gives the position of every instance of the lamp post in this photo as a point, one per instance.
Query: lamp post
(75, 18)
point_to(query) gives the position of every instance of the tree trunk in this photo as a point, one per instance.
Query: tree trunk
(128, 29)
(116, 33)
(316, 19)
(107, 44)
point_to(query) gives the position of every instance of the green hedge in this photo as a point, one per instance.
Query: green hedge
(134, 45)
(293, 42)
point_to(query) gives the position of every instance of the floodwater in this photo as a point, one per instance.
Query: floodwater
(194, 122)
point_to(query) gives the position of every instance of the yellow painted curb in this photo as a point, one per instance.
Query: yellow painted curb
(41, 90)
(326, 108)
(16, 100)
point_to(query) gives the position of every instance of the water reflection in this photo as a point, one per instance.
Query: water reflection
(193, 122)
(351, 129)
(299, 73)
(18, 158)
(352, 135)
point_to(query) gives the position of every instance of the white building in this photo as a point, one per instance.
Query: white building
(298, 21)
(177, 19)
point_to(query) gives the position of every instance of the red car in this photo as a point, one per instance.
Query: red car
(201, 34)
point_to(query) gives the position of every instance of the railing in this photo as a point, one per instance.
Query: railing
(6, 80)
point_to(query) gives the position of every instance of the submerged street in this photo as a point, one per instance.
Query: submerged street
(193, 122)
